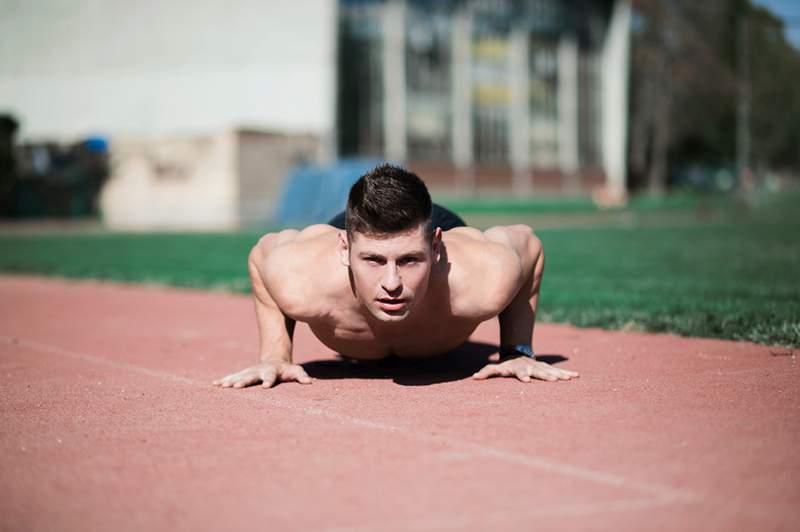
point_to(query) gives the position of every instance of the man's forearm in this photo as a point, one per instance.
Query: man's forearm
(275, 334)
(518, 318)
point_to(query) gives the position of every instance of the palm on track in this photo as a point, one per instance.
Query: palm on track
(267, 374)
(523, 368)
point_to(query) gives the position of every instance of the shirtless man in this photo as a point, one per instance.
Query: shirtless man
(395, 283)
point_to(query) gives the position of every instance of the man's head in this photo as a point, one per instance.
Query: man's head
(388, 200)
(391, 244)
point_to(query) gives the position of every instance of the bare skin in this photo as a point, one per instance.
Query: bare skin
(402, 295)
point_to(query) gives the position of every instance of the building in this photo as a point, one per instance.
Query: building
(487, 94)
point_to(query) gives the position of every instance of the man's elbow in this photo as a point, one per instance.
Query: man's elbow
(527, 246)
(531, 243)
(535, 247)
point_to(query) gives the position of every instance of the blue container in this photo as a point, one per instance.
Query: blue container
(315, 194)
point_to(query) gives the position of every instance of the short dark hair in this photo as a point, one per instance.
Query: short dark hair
(388, 200)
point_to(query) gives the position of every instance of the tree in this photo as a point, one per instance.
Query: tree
(687, 79)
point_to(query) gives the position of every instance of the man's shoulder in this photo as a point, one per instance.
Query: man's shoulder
(286, 250)
(478, 250)
(484, 272)
(302, 271)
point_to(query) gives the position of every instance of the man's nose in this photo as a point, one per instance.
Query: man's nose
(391, 279)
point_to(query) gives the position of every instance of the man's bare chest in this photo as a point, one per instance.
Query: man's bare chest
(351, 336)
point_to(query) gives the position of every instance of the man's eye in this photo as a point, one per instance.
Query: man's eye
(409, 260)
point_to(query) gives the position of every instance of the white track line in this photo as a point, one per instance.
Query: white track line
(506, 520)
(659, 494)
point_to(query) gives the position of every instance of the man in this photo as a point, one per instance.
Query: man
(400, 277)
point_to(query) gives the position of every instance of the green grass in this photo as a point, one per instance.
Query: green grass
(726, 280)
(648, 269)
(215, 261)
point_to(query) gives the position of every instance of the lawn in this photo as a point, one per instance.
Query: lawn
(716, 269)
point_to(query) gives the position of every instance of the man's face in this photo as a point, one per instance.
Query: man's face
(390, 275)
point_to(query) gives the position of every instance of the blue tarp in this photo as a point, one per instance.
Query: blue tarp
(315, 194)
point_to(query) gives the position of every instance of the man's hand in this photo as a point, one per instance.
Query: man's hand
(267, 373)
(524, 368)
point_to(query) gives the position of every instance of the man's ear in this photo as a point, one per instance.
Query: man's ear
(344, 249)
(437, 245)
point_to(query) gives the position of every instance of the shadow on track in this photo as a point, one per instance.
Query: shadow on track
(458, 364)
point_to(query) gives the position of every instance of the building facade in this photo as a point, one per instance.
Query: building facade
(486, 93)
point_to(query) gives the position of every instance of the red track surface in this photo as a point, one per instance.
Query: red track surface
(109, 423)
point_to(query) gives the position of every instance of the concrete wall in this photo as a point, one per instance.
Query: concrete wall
(164, 183)
(72, 68)
(226, 181)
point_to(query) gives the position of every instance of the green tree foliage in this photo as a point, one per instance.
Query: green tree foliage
(775, 80)
(693, 63)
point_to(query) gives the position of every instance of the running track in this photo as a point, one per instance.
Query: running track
(109, 422)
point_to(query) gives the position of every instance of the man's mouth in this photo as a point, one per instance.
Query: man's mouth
(390, 304)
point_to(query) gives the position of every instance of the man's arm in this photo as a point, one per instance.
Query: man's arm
(518, 318)
(274, 327)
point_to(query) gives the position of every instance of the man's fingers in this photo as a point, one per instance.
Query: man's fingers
(486, 372)
(251, 377)
(549, 376)
(303, 377)
(297, 373)
(268, 377)
(549, 373)
(220, 382)
(564, 374)
(522, 374)
(228, 381)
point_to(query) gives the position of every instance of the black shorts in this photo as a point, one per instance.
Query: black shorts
(441, 217)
